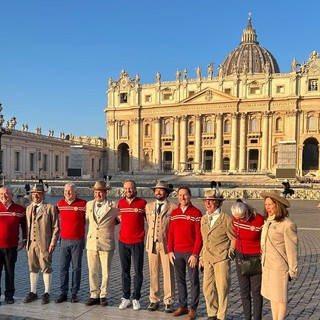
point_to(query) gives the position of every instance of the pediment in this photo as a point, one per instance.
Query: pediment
(209, 95)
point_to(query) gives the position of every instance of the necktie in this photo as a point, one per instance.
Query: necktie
(34, 210)
(159, 208)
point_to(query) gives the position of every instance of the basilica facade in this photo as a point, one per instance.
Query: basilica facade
(247, 116)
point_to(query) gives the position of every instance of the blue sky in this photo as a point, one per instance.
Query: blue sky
(56, 55)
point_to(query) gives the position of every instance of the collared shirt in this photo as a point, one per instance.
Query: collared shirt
(213, 217)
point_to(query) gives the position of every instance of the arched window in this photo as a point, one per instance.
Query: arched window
(226, 128)
(191, 128)
(147, 130)
(167, 128)
(208, 126)
(123, 130)
(254, 125)
(279, 125)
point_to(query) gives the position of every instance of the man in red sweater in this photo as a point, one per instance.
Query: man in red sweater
(12, 219)
(184, 246)
(72, 220)
(131, 243)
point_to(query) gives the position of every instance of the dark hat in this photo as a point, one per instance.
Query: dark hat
(276, 195)
(163, 185)
(38, 187)
(101, 185)
(213, 194)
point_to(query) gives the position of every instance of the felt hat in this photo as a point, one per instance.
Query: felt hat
(38, 187)
(101, 185)
(213, 194)
(163, 185)
(276, 195)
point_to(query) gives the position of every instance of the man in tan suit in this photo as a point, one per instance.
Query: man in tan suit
(102, 216)
(218, 249)
(158, 217)
(43, 234)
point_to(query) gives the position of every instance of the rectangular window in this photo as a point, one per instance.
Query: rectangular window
(123, 97)
(227, 91)
(167, 96)
(45, 162)
(32, 158)
(147, 98)
(67, 164)
(254, 141)
(226, 141)
(167, 144)
(17, 161)
(280, 89)
(92, 165)
(190, 93)
(191, 143)
(313, 85)
(255, 90)
(56, 163)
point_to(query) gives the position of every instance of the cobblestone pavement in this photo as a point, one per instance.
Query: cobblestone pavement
(304, 292)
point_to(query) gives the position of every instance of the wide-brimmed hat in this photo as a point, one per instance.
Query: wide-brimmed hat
(163, 185)
(101, 185)
(276, 195)
(213, 194)
(38, 187)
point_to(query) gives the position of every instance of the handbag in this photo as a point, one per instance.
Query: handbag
(250, 267)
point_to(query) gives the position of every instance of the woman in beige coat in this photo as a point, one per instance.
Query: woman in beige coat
(279, 246)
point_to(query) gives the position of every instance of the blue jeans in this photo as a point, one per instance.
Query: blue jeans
(136, 251)
(71, 251)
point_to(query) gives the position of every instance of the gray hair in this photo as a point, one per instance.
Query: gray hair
(71, 185)
(239, 208)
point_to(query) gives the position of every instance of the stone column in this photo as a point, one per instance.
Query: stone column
(157, 144)
(265, 141)
(234, 142)
(112, 152)
(176, 154)
(242, 143)
(219, 119)
(183, 145)
(136, 149)
(197, 147)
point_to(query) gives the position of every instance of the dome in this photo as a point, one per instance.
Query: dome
(249, 57)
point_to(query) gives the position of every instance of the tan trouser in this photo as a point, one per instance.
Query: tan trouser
(216, 286)
(95, 260)
(155, 259)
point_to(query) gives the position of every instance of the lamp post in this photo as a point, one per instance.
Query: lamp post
(5, 130)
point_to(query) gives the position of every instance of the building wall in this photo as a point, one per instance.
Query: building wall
(27, 155)
(216, 123)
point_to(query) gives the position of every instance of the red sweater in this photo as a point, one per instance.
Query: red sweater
(11, 219)
(184, 230)
(72, 219)
(132, 220)
(248, 234)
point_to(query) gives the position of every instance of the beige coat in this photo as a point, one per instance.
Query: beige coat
(279, 246)
(100, 236)
(47, 228)
(219, 240)
(164, 221)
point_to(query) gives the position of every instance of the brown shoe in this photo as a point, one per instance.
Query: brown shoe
(191, 315)
(180, 312)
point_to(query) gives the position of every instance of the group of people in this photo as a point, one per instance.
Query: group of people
(180, 239)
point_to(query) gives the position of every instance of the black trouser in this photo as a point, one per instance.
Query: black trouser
(250, 288)
(8, 259)
(135, 250)
(180, 265)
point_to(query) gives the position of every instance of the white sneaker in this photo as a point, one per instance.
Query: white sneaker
(136, 304)
(125, 303)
